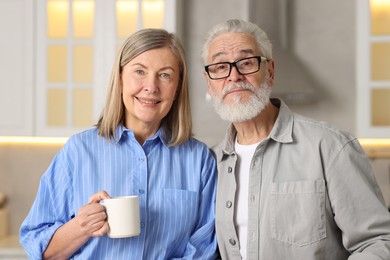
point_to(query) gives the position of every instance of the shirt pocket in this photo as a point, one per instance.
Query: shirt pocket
(180, 209)
(298, 212)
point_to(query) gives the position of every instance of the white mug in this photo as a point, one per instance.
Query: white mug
(123, 216)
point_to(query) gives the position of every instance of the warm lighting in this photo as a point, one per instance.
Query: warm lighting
(57, 18)
(376, 147)
(380, 3)
(380, 16)
(32, 140)
(153, 13)
(375, 141)
(83, 18)
(129, 20)
(126, 17)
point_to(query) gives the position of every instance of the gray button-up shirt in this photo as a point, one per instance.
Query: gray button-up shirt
(312, 195)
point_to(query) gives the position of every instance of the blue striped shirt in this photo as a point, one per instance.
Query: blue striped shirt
(176, 186)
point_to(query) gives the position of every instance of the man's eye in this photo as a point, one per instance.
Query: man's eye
(246, 63)
(222, 67)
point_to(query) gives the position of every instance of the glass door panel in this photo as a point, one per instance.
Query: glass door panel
(69, 85)
(57, 63)
(380, 17)
(153, 13)
(380, 100)
(83, 64)
(380, 61)
(83, 18)
(56, 107)
(379, 42)
(57, 19)
(82, 107)
(126, 17)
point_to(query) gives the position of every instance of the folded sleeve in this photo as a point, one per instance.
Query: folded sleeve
(358, 205)
(51, 207)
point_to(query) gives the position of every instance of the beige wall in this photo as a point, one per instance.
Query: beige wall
(21, 167)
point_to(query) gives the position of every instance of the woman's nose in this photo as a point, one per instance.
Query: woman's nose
(151, 85)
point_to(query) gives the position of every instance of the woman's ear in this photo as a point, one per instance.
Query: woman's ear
(120, 85)
(177, 91)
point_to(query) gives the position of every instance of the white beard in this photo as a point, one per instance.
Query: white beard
(240, 111)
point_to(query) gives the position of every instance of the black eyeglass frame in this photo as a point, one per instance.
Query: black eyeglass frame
(234, 64)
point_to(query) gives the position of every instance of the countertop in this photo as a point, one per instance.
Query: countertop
(11, 249)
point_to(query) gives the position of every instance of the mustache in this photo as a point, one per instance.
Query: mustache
(236, 86)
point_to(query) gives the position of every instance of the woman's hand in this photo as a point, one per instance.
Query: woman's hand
(90, 221)
(92, 217)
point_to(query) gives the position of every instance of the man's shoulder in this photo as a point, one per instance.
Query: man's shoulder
(308, 128)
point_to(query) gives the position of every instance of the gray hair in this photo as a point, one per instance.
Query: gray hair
(240, 26)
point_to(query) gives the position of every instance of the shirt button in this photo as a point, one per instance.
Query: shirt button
(232, 242)
(230, 169)
(253, 236)
(142, 224)
(253, 198)
(228, 204)
(141, 159)
(141, 191)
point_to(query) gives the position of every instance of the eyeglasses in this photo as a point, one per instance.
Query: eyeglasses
(244, 66)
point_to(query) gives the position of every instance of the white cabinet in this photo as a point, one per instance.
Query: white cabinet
(58, 87)
(16, 67)
(76, 45)
(373, 68)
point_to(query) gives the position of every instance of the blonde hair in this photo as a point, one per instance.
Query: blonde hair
(177, 124)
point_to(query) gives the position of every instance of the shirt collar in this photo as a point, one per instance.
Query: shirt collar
(283, 127)
(122, 132)
(281, 131)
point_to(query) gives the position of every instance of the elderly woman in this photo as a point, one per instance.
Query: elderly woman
(142, 146)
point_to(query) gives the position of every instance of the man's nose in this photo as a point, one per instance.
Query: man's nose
(235, 75)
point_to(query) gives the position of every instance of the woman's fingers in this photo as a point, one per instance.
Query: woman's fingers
(99, 196)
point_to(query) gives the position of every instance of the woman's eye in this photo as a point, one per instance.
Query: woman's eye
(165, 76)
(140, 72)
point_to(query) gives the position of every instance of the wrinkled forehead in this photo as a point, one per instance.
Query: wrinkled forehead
(232, 44)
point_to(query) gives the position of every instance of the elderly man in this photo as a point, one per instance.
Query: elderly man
(288, 187)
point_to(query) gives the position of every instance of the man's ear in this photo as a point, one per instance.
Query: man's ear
(208, 82)
(271, 72)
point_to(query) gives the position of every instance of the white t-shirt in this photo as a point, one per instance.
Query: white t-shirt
(245, 154)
